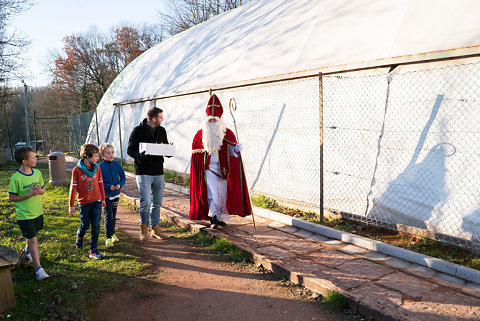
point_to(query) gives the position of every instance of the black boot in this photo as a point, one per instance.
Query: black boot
(213, 222)
(221, 223)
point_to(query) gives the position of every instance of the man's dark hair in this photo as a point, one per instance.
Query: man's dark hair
(153, 112)
(21, 153)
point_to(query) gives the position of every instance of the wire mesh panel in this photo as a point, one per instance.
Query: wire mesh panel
(353, 112)
(78, 129)
(428, 169)
(279, 126)
(400, 149)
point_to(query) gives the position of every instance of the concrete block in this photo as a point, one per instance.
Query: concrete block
(289, 229)
(178, 188)
(451, 280)
(305, 225)
(397, 263)
(421, 270)
(375, 256)
(425, 260)
(353, 249)
(468, 274)
(358, 240)
(328, 231)
(318, 238)
(335, 243)
(276, 225)
(303, 233)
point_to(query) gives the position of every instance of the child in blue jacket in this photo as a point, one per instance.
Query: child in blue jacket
(113, 180)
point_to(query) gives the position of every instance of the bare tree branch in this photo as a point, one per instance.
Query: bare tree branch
(184, 14)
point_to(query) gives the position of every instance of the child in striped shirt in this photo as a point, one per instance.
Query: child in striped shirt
(88, 184)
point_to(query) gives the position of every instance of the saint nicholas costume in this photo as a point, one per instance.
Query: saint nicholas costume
(217, 179)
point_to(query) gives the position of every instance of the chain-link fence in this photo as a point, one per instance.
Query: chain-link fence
(46, 134)
(279, 125)
(399, 149)
(78, 126)
(49, 134)
(392, 147)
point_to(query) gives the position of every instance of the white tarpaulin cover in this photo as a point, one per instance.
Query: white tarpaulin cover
(272, 37)
(279, 122)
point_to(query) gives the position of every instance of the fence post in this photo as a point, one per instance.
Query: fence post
(120, 134)
(8, 134)
(35, 129)
(96, 124)
(320, 106)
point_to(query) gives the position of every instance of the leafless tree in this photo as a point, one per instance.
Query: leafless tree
(184, 14)
(11, 42)
(90, 61)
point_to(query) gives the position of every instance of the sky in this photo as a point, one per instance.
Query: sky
(49, 21)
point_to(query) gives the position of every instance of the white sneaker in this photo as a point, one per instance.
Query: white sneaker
(27, 255)
(41, 274)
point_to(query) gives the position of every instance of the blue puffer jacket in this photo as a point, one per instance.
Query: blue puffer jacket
(113, 174)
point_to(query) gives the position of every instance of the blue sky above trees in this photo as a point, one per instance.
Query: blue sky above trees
(49, 21)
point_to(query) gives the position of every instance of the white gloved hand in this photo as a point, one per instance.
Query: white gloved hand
(238, 148)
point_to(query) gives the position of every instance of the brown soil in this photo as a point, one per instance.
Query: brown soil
(189, 283)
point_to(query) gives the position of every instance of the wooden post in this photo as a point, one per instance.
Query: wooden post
(8, 259)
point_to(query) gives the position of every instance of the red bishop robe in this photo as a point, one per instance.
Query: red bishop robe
(238, 201)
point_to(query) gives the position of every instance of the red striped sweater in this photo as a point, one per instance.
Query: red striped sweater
(90, 189)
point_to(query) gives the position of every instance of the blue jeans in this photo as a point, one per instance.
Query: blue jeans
(110, 216)
(151, 197)
(90, 214)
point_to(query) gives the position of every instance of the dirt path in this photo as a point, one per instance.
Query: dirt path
(192, 285)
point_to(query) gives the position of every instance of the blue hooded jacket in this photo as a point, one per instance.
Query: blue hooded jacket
(113, 174)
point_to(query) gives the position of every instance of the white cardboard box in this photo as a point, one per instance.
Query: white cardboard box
(157, 149)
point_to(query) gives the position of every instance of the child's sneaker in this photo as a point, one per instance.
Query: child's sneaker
(27, 255)
(115, 239)
(40, 274)
(94, 254)
(109, 243)
(79, 242)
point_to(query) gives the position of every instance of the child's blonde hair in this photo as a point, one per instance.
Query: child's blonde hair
(105, 146)
(87, 150)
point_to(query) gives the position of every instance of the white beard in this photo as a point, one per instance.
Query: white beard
(212, 135)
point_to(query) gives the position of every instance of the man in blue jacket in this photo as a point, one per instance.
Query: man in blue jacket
(113, 180)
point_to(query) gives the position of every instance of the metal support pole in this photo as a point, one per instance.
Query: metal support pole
(26, 114)
(96, 124)
(35, 129)
(120, 134)
(8, 133)
(320, 106)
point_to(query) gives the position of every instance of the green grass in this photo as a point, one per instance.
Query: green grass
(76, 282)
(221, 246)
(334, 301)
(169, 176)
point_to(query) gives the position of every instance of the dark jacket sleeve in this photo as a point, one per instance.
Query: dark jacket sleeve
(133, 143)
(164, 138)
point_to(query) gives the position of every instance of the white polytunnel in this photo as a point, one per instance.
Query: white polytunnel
(397, 97)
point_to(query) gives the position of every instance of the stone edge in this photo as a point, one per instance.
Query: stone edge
(456, 270)
(317, 285)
